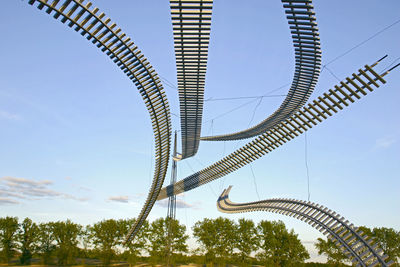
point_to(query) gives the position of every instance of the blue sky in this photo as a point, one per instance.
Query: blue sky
(76, 139)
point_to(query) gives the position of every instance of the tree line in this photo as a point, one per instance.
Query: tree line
(220, 241)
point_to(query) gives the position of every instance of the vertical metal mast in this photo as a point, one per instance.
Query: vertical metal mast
(172, 199)
(171, 213)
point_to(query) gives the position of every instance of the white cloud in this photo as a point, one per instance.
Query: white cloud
(5, 200)
(121, 199)
(40, 192)
(6, 193)
(9, 116)
(162, 203)
(15, 188)
(385, 142)
(181, 204)
(17, 182)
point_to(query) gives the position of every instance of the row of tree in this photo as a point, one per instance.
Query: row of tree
(220, 240)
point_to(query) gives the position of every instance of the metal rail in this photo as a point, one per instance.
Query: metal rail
(316, 111)
(303, 26)
(93, 25)
(352, 241)
(191, 20)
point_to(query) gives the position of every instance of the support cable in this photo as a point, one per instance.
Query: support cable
(391, 64)
(306, 163)
(203, 166)
(254, 181)
(245, 104)
(361, 43)
(241, 97)
(168, 83)
(344, 54)
(222, 182)
(254, 112)
(230, 111)
(190, 167)
(331, 72)
(354, 87)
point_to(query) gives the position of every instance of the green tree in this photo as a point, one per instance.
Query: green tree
(66, 235)
(136, 247)
(328, 248)
(387, 239)
(86, 244)
(28, 237)
(158, 239)
(246, 240)
(204, 232)
(216, 237)
(106, 236)
(46, 244)
(8, 237)
(279, 247)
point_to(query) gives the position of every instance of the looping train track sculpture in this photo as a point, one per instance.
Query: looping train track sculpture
(303, 27)
(321, 108)
(191, 20)
(352, 241)
(93, 25)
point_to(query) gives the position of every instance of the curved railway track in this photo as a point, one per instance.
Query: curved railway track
(303, 27)
(352, 241)
(98, 29)
(191, 21)
(319, 109)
